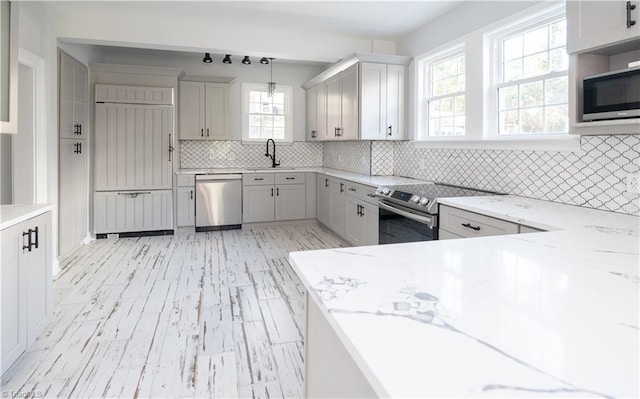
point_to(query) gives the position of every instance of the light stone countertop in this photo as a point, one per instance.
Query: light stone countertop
(373, 181)
(531, 315)
(11, 215)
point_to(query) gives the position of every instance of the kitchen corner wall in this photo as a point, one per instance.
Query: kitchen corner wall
(593, 177)
(233, 154)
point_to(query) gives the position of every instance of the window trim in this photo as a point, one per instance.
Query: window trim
(424, 90)
(287, 90)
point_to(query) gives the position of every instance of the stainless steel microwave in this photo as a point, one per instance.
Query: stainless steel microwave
(612, 95)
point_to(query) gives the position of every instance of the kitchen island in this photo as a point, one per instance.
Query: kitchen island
(554, 313)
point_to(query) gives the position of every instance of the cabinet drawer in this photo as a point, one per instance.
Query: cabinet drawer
(186, 180)
(362, 192)
(257, 179)
(290, 178)
(469, 224)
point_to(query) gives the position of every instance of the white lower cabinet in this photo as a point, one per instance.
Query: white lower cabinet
(26, 289)
(73, 194)
(133, 211)
(273, 196)
(459, 223)
(185, 201)
(348, 209)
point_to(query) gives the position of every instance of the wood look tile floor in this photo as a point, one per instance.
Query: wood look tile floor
(217, 314)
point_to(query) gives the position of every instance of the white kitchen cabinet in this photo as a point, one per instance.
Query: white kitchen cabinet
(73, 97)
(73, 194)
(203, 110)
(185, 200)
(469, 224)
(595, 24)
(338, 206)
(274, 196)
(133, 147)
(26, 295)
(342, 105)
(311, 114)
(185, 207)
(324, 200)
(133, 211)
(361, 215)
(10, 17)
(382, 101)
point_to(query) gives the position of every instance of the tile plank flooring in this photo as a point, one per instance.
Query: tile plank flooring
(215, 314)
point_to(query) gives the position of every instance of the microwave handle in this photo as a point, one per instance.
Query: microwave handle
(428, 220)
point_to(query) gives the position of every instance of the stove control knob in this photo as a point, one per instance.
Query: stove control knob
(385, 190)
(415, 198)
(424, 201)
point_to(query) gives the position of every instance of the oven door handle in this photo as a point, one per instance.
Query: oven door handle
(409, 215)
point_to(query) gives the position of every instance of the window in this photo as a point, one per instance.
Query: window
(265, 117)
(445, 105)
(531, 82)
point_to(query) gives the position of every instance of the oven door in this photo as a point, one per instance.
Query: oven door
(398, 224)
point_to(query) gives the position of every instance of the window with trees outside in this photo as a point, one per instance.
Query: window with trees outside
(266, 117)
(446, 102)
(532, 79)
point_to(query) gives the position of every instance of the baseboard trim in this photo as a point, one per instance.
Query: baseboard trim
(280, 223)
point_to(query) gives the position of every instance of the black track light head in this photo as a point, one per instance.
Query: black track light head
(207, 58)
(264, 60)
(246, 60)
(227, 59)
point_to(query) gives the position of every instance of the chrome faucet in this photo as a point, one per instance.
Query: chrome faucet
(273, 157)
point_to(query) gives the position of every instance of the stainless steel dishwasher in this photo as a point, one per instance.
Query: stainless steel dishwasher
(218, 202)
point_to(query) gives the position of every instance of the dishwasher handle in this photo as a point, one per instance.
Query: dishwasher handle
(219, 177)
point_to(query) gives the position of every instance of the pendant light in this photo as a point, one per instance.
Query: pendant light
(207, 58)
(264, 61)
(271, 85)
(246, 60)
(227, 59)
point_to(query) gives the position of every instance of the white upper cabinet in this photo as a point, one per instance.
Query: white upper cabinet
(203, 108)
(361, 97)
(73, 98)
(593, 24)
(9, 67)
(382, 100)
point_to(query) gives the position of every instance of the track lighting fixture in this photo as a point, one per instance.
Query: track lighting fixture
(227, 59)
(207, 58)
(264, 60)
(246, 60)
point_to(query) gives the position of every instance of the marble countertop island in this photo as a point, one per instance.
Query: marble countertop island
(544, 314)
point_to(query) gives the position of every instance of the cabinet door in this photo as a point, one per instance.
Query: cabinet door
(324, 200)
(80, 192)
(192, 110)
(65, 97)
(120, 212)
(73, 194)
(216, 111)
(258, 204)
(338, 206)
(132, 147)
(311, 108)
(290, 202)
(13, 297)
(185, 207)
(321, 112)
(81, 100)
(334, 107)
(355, 224)
(592, 24)
(373, 101)
(349, 103)
(36, 265)
(370, 216)
(395, 103)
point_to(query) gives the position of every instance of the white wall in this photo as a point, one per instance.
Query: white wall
(195, 26)
(285, 73)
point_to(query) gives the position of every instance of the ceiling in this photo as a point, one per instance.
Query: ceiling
(385, 20)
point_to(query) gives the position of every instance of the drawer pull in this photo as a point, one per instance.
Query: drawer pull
(290, 178)
(258, 178)
(468, 225)
(352, 189)
(371, 195)
(135, 195)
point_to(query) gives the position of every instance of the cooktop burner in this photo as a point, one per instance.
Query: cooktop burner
(424, 197)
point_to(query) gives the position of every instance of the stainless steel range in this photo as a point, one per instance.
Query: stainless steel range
(409, 213)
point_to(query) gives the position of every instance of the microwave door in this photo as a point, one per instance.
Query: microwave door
(612, 96)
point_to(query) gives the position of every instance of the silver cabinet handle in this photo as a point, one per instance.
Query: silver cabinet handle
(135, 194)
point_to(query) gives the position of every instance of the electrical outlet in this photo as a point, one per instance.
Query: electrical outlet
(213, 154)
(632, 183)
